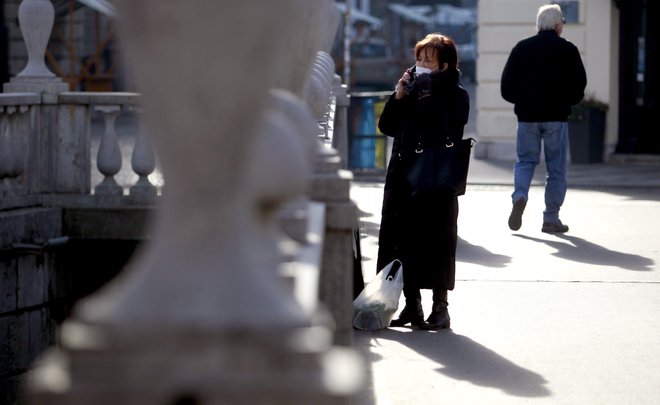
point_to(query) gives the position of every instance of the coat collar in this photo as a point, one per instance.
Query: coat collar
(446, 78)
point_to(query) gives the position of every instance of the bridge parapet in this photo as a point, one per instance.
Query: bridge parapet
(204, 298)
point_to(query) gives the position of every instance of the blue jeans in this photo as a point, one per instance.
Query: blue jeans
(554, 136)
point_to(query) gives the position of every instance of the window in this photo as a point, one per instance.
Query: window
(571, 10)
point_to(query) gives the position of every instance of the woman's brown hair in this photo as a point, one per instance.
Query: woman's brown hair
(444, 46)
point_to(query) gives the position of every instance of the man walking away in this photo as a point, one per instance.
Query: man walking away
(543, 77)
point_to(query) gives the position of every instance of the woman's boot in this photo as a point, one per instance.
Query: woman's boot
(439, 318)
(412, 313)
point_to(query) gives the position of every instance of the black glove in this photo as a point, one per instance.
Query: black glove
(423, 86)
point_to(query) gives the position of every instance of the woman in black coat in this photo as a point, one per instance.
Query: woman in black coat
(428, 106)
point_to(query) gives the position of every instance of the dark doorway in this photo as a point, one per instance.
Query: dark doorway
(639, 76)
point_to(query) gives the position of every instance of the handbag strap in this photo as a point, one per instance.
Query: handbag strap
(448, 144)
(396, 265)
(420, 147)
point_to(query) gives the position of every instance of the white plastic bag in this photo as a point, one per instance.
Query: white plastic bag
(374, 308)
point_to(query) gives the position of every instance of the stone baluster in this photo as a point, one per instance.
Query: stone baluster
(7, 152)
(109, 156)
(326, 60)
(318, 93)
(323, 16)
(325, 66)
(143, 162)
(39, 15)
(201, 315)
(329, 25)
(13, 150)
(326, 69)
(331, 185)
(294, 216)
(36, 19)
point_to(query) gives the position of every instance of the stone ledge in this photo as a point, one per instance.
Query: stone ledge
(9, 99)
(341, 215)
(115, 98)
(634, 159)
(29, 224)
(333, 186)
(127, 223)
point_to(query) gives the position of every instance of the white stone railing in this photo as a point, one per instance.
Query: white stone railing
(202, 314)
(78, 159)
(46, 151)
(111, 153)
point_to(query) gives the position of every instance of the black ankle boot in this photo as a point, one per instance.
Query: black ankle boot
(412, 313)
(439, 318)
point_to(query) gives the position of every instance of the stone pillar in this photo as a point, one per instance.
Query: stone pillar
(332, 186)
(201, 314)
(59, 139)
(340, 133)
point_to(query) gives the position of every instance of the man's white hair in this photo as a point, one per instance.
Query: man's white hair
(548, 17)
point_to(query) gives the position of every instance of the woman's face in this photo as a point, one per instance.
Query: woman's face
(429, 58)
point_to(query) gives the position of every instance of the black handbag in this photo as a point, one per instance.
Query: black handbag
(440, 168)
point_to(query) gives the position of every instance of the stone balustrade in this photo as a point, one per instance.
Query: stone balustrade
(137, 185)
(244, 289)
(46, 152)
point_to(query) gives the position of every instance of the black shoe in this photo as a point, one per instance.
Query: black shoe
(515, 219)
(554, 227)
(410, 315)
(437, 320)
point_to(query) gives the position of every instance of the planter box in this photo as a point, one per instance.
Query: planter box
(586, 133)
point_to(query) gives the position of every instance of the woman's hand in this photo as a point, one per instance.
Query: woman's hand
(401, 85)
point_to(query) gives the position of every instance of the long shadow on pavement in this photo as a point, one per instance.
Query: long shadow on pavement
(469, 253)
(461, 358)
(465, 251)
(582, 251)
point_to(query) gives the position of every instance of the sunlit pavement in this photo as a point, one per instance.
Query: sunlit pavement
(557, 319)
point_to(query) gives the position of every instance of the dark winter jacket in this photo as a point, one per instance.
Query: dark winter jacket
(543, 77)
(443, 114)
(421, 230)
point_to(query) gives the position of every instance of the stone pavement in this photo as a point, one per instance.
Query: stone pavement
(536, 318)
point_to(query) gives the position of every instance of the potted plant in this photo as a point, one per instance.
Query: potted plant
(586, 130)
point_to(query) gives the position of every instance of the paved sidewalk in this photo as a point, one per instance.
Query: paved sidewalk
(590, 176)
(579, 175)
(556, 319)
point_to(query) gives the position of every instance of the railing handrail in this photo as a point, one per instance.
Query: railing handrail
(19, 99)
(105, 98)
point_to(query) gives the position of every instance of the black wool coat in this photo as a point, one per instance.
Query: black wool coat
(420, 230)
(543, 77)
